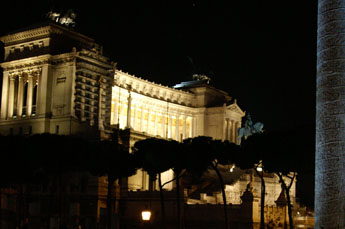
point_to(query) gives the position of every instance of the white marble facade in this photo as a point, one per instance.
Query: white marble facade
(157, 110)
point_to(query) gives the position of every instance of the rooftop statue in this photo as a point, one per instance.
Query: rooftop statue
(202, 78)
(67, 19)
(249, 129)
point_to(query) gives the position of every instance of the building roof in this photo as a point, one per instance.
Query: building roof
(41, 30)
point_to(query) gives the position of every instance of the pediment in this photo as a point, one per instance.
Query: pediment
(235, 108)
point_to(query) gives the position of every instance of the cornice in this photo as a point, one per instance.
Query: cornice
(143, 86)
(63, 58)
(92, 69)
(25, 35)
(42, 32)
(94, 57)
(215, 110)
(26, 63)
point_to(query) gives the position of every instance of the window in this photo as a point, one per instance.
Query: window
(57, 129)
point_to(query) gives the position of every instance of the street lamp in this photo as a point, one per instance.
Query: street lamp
(146, 215)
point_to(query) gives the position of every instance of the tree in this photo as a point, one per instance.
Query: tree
(180, 162)
(287, 149)
(281, 150)
(114, 161)
(251, 156)
(330, 119)
(252, 149)
(207, 152)
(155, 157)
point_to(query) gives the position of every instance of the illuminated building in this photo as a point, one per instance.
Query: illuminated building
(57, 81)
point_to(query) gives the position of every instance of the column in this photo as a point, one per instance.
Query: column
(236, 132)
(143, 180)
(191, 134)
(148, 121)
(169, 126)
(231, 128)
(20, 96)
(11, 97)
(142, 119)
(120, 118)
(330, 117)
(163, 126)
(227, 129)
(184, 127)
(177, 128)
(155, 125)
(129, 99)
(29, 96)
(115, 115)
(5, 93)
(134, 117)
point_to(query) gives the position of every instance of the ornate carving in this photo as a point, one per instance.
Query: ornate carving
(235, 108)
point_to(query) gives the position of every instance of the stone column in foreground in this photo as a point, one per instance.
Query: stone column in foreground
(330, 116)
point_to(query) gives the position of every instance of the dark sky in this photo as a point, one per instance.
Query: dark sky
(261, 52)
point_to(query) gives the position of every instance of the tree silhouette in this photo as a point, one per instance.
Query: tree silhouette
(211, 153)
(155, 157)
(285, 150)
(113, 160)
(251, 156)
(280, 153)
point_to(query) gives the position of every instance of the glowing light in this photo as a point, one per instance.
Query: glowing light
(259, 169)
(232, 168)
(146, 215)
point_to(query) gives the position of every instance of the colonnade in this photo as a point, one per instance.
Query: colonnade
(231, 133)
(21, 94)
(151, 118)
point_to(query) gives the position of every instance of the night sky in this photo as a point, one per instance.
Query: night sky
(261, 52)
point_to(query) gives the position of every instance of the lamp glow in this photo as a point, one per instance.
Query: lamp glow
(259, 169)
(146, 215)
(232, 168)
